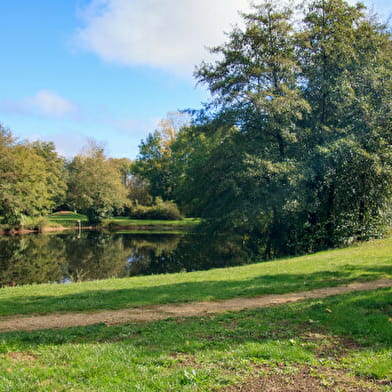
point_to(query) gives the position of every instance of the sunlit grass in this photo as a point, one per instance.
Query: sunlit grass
(69, 218)
(208, 353)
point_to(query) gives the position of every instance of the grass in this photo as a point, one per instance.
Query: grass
(367, 261)
(123, 221)
(70, 219)
(174, 226)
(346, 337)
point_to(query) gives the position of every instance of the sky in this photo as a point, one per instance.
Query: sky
(108, 70)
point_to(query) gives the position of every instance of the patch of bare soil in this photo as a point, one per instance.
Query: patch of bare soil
(21, 356)
(305, 378)
(162, 312)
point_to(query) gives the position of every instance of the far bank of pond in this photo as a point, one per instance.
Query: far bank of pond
(72, 221)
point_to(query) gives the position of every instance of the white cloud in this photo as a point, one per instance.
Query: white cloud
(52, 104)
(45, 103)
(167, 34)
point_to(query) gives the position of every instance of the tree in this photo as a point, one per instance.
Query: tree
(31, 178)
(94, 185)
(345, 58)
(255, 85)
(154, 160)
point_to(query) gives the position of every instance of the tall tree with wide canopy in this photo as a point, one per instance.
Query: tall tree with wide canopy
(255, 86)
(346, 61)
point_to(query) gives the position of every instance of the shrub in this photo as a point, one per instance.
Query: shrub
(164, 210)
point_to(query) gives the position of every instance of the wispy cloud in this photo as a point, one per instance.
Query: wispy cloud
(167, 34)
(45, 103)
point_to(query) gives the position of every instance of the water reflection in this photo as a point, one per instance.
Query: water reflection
(96, 255)
(31, 259)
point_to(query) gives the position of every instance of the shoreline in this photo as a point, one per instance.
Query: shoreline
(113, 228)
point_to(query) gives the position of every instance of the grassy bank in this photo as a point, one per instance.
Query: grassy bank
(337, 344)
(367, 261)
(122, 223)
(70, 219)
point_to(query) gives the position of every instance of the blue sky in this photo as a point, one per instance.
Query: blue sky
(106, 69)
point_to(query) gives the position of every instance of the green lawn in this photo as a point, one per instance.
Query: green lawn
(68, 219)
(328, 342)
(368, 261)
(123, 221)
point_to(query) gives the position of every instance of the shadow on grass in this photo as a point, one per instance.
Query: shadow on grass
(188, 291)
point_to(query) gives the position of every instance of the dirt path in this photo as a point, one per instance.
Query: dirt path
(161, 312)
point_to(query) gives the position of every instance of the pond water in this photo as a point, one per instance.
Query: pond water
(69, 257)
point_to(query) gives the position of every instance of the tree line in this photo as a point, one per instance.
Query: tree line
(293, 153)
(35, 181)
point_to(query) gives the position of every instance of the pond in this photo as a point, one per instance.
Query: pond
(91, 255)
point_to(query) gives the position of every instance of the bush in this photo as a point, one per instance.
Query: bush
(162, 210)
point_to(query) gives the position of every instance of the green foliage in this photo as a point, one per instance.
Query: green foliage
(161, 210)
(293, 153)
(94, 186)
(154, 164)
(31, 178)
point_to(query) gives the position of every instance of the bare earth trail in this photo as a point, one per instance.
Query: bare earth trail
(161, 312)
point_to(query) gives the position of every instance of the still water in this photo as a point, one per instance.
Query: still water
(69, 257)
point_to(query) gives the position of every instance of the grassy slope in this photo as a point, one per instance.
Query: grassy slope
(367, 261)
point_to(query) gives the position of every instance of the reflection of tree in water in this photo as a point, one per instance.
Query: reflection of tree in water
(186, 253)
(149, 249)
(51, 258)
(31, 259)
(96, 255)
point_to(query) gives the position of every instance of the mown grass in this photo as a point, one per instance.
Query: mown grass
(70, 219)
(123, 221)
(152, 226)
(349, 333)
(67, 218)
(367, 261)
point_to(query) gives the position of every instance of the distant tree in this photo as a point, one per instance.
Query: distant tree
(154, 160)
(94, 185)
(55, 172)
(31, 178)
(124, 166)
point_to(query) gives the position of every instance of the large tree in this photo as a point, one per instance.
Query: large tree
(31, 178)
(95, 185)
(346, 61)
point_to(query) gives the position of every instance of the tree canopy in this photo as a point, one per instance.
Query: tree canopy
(31, 178)
(95, 185)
